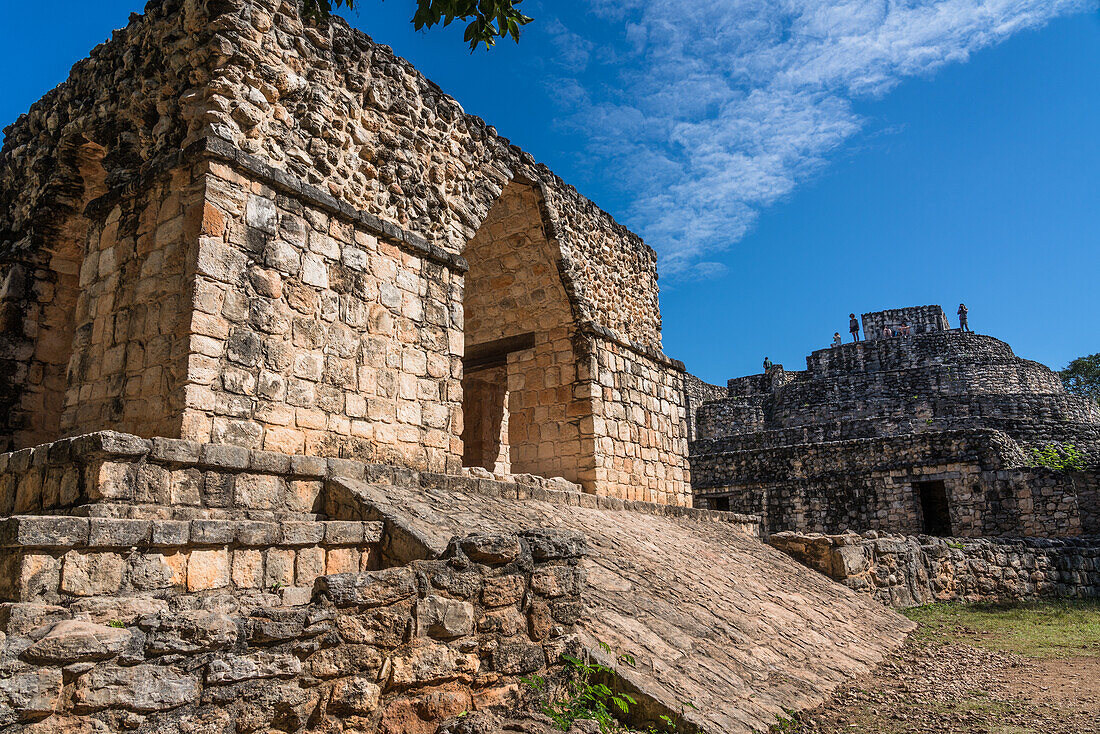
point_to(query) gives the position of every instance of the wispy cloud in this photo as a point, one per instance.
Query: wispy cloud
(724, 106)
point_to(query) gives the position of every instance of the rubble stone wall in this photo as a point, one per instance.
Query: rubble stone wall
(394, 650)
(697, 392)
(908, 570)
(127, 104)
(870, 484)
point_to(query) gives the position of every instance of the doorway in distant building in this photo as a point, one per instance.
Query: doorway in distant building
(933, 505)
(720, 503)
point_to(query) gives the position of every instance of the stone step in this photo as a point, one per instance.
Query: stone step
(55, 559)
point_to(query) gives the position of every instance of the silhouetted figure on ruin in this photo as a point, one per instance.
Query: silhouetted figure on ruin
(836, 339)
(963, 326)
(853, 326)
(767, 364)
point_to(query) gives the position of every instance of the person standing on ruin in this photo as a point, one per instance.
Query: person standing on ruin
(767, 364)
(963, 326)
(853, 326)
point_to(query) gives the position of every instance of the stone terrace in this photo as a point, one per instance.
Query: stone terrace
(849, 442)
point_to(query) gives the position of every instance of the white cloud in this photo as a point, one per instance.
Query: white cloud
(724, 106)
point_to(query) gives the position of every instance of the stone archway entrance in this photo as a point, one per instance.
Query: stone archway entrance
(519, 368)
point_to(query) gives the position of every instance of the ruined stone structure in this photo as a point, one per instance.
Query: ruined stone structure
(312, 388)
(908, 571)
(290, 240)
(929, 434)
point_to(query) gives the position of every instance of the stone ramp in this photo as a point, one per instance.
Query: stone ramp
(712, 615)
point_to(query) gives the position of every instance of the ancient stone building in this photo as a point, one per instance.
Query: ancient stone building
(934, 434)
(325, 409)
(224, 228)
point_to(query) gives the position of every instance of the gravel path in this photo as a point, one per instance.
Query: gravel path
(957, 687)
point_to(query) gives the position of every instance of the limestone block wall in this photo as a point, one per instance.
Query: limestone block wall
(697, 392)
(57, 560)
(313, 334)
(128, 354)
(908, 570)
(639, 424)
(395, 650)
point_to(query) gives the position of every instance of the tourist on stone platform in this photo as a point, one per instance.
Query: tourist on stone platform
(904, 331)
(853, 326)
(767, 364)
(963, 326)
(887, 332)
(836, 339)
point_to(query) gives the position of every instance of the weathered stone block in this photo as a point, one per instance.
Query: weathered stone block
(32, 695)
(92, 574)
(502, 590)
(355, 695)
(371, 589)
(118, 533)
(72, 641)
(207, 569)
(257, 666)
(555, 544)
(491, 548)
(424, 663)
(142, 688)
(518, 658)
(444, 618)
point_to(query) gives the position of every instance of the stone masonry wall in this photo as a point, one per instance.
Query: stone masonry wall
(920, 319)
(396, 650)
(313, 335)
(906, 571)
(401, 150)
(639, 424)
(697, 392)
(869, 484)
(128, 355)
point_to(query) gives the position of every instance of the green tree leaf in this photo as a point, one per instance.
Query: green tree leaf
(488, 19)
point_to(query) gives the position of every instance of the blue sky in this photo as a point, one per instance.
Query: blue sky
(791, 161)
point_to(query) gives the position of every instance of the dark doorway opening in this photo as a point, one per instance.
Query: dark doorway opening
(720, 503)
(934, 508)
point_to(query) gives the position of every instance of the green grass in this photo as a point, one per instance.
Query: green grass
(1044, 629)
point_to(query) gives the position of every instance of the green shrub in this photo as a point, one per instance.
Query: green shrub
(1060, 457)
(588, 695)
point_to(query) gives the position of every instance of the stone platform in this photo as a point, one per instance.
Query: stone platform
(711, 614)
(852, 441)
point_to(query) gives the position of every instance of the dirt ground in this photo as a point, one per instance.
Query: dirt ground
(978, 669)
